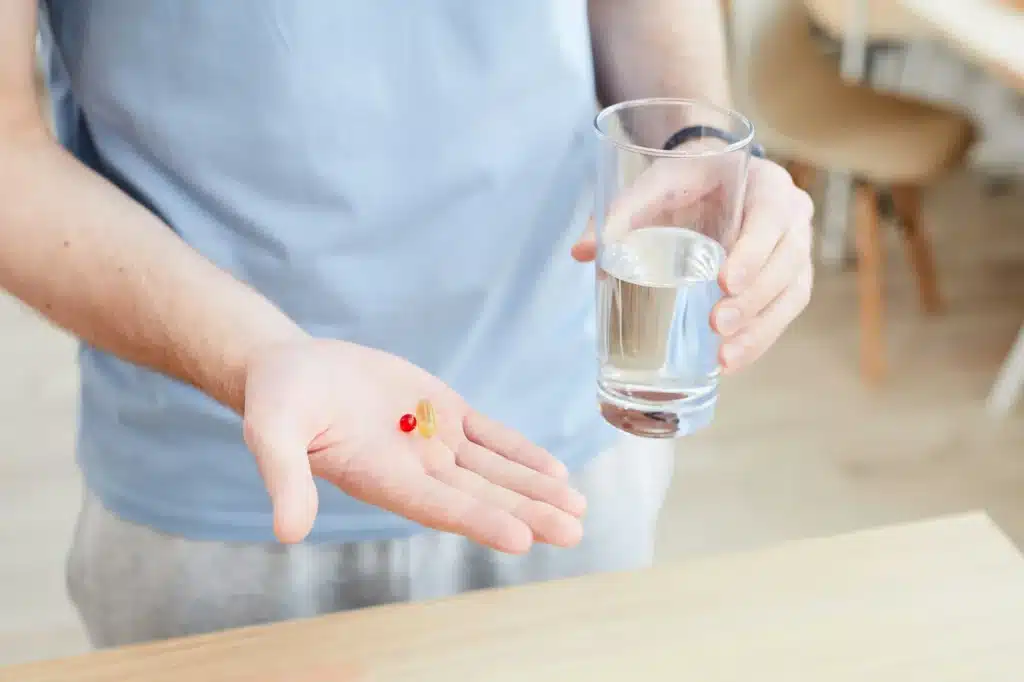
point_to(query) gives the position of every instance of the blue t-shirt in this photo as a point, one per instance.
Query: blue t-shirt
(404, 175)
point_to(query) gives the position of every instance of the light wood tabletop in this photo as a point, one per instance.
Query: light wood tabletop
(940, 600)
(990, 32)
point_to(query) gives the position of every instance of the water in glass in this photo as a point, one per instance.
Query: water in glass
(658, 354)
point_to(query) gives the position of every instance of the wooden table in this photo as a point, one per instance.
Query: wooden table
(941, 601)
(989, 32)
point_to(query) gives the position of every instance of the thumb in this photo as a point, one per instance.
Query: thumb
(585, 250)
(283, 461)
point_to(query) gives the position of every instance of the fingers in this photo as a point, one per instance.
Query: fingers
(411, 484)
(789, 258)
(436, 504)
(752, 342)
(547, 523)
(444, 507)
(585, 250)
(773, 206)
(666, 187)
(281, 456)
(511, 445)
(520, 479)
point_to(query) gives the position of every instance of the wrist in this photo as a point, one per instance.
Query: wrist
(261, 337)
(708, 138)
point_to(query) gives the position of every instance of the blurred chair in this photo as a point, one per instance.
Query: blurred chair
(808, 115)
(865, 29)
(873, 40)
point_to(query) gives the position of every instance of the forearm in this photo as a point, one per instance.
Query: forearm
(660, 48)
(98, 264)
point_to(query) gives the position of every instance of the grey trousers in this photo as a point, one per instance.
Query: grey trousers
(132, 584)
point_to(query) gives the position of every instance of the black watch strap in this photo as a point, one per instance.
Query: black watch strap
(696, 132)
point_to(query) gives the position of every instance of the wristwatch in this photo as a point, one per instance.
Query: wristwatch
(697, 132)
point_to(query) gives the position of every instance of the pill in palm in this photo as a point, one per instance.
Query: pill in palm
(426, 418)
(407, 423)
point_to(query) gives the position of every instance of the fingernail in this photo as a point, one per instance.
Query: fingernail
(727, 320)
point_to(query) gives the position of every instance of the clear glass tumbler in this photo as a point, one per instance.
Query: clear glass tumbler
(665, 220)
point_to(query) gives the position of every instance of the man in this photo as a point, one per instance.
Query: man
(276, 226)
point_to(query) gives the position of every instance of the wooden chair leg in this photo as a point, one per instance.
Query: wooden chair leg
(907, 202)
(802, 174)
(870, 266)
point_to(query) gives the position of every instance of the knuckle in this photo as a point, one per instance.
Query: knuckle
(801, 236)
(805, 205)
(774, 174)
(804, 287)
(747, 304)
(805, 241)
(806, 275)
(805, 296)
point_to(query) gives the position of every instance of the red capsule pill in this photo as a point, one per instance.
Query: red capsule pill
(407, 423)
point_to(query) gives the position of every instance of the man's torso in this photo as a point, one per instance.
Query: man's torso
(408, 176)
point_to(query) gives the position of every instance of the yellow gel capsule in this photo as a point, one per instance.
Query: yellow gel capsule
(426, 419)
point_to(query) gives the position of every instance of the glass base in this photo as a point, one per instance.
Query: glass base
(648, 418)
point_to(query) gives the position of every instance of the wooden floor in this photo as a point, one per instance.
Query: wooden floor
(799, 447)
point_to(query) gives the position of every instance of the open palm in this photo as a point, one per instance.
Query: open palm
(330, 409)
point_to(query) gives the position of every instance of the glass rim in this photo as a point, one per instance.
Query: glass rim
(609, 111)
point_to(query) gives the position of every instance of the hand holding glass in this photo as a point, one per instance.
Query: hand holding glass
(665, 221)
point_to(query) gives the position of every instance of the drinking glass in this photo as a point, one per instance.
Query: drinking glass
(665, 220)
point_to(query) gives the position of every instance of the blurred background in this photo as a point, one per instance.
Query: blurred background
(893, 398)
